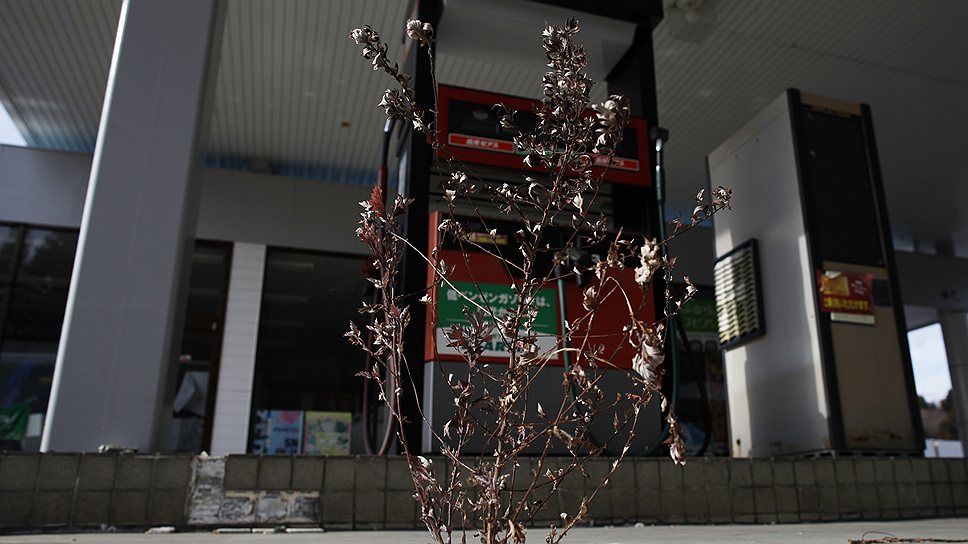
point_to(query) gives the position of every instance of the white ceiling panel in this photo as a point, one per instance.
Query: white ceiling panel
(54, 60)
(293, 92)
(906, 59)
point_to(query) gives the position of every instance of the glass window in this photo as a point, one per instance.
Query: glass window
(201, 347)
(304, 365)
(34, 298)
(9, 239)
(9, 244)
(702, 388)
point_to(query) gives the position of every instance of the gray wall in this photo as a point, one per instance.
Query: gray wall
(48, 188)
(937, 281)
(42, 187)
(279, 211)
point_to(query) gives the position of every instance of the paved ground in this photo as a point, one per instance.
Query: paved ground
(839, 533)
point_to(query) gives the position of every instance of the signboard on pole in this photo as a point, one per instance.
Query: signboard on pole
(847, 297)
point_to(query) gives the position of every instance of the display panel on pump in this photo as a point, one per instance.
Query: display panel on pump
(481, 276)
(470, 131)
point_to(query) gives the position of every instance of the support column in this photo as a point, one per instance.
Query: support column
(954, 328)
(634, 208)
(131, 269)
(233, 396)
(416, 185)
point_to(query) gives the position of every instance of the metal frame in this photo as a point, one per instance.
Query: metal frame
(757, 289)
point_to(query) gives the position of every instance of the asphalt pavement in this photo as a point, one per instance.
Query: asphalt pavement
(927, 531)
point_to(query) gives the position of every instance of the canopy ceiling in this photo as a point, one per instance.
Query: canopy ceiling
(292, 90)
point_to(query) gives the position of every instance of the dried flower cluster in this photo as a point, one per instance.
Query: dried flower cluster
(398, 103)
(494, 495)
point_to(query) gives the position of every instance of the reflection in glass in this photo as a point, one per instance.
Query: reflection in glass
(201, 344)
(33, 296)
(9, 237)
(303, 362)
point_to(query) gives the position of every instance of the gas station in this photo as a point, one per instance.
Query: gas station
(178, 261)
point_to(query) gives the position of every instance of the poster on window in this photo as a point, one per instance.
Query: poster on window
(278, 432)
(846, 296)
(327, 433)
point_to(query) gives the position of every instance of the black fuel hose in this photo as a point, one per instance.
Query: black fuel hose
(387, 440)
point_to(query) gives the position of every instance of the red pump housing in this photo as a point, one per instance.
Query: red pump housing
(483, 278)
(471, 132)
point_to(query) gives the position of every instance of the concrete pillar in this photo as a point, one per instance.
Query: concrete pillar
(954, 328)
(111, 379)
(634, 76)
(233, 396)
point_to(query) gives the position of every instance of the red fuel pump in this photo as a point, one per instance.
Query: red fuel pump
(471, 132)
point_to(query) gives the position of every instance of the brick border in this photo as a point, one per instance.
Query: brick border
(78, 491)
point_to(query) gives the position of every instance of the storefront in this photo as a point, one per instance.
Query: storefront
(275, 279)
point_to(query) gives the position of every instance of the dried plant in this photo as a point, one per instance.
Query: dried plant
(492, 495)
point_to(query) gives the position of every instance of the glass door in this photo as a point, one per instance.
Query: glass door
(198, 361)
(306, 396)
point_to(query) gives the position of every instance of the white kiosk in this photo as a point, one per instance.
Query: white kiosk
(816, 358)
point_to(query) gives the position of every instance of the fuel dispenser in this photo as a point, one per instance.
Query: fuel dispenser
(810, 312)
(470, 131)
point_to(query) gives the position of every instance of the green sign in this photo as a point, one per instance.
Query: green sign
(499, 298)
(699, 316)
(13, 420)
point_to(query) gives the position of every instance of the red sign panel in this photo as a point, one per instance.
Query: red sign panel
(846, 293)
(504, 146)
(480, 142)
(471, 132)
